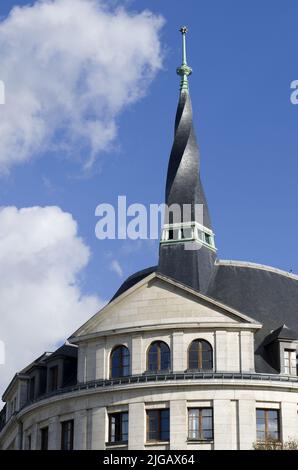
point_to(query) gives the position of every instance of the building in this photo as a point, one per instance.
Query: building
(195, 353)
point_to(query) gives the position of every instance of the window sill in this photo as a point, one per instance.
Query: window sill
(200, 441)
(117, 444)
(158, 372)
(157, 443)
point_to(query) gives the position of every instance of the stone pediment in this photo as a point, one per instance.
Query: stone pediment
(157, 302)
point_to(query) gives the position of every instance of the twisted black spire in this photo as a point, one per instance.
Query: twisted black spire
(183, 180)
(193, 267)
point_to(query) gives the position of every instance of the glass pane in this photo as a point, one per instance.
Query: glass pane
(205, 346)
(153, 358)
(272, 426)
(260, 436)
(152, 422)
(193, 412)
(173, 234)
(207, 412)
(194, 347)
(164, 356)
(164, 425)
(186, 232)
(272, 414)
(207, 423)
(200, 235)
(120, 362)
(260, 414)
(207, 434)
(124, 436)
(261, 426)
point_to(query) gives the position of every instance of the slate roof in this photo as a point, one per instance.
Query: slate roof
(283, 333)
(65, 350)
(263, 293)
(132, 280)
(267, 295)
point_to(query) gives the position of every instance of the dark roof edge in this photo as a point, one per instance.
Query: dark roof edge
(264, 267)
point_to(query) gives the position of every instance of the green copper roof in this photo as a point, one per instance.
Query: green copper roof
(184, 71)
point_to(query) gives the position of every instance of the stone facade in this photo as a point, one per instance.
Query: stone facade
(157, 309)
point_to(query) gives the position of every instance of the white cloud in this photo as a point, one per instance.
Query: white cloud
(70, 68)
(41, 257)
(116, 268)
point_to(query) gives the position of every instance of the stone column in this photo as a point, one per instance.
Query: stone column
(225, 428)
(100, 373)
(81, 375)
(54, 434)
(247, 351)
(34, 437)
(90, 362)
(247, 424)
(19, 442)
(221, 350)
(80, 430)
(136, 426)
(178, 424)
(137, 360)
(99, 433)
(179, 362)
(289, 421)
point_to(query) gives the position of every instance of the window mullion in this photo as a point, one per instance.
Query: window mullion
(159, 425)
(200, 425)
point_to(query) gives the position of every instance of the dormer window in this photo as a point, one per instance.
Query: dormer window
(281, 346)
(290, 366)
(53, 378)
(32, 389)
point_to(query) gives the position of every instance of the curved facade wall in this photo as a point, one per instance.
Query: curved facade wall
(157, 309)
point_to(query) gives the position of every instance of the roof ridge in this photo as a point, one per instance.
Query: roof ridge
(264, 267)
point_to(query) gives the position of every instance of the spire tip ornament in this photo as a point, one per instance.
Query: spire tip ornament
(183, 30)
(184, 71)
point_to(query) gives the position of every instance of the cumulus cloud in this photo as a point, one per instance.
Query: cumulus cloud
(116, 267)
(41, 258)
(70, 68)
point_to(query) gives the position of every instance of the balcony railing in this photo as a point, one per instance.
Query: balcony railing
(166, 377)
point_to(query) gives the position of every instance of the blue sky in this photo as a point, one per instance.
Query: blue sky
(244, 57)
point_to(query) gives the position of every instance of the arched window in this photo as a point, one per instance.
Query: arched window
(120, 362)
(200, 355)
(159, 356)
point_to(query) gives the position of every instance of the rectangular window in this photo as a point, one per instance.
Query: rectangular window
(32, 389)
(44, 438)
(187, 233)
(118, 427)
(28, 442)
(173, 234)
(200, 424)
(268, 428)
(53, 378)
(158, 425)
(290, 361)
(67, 435)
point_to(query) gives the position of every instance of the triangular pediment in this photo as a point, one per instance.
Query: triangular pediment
(157, 301)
